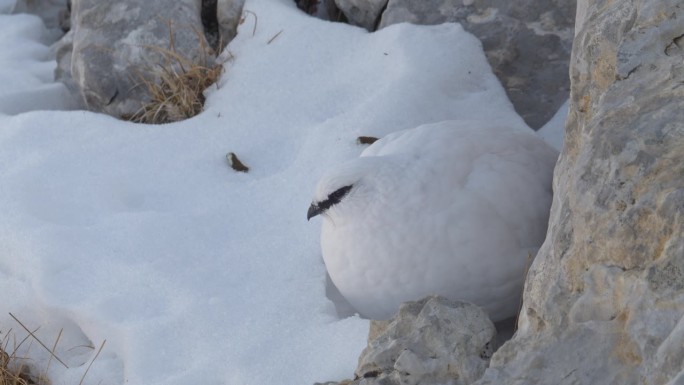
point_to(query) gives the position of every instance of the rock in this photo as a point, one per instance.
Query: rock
(228, 15)
(364, 13)
(64, 18)
(527, 43)
(51, 11)
(604, 299)
(210, 23)
(432, 341)
(322, 9)
(63, 50)
(114, 43)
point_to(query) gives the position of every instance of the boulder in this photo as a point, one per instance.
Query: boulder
(432, 341)
(604, 298)
(527, 43)
(228, 14)
(116, 44)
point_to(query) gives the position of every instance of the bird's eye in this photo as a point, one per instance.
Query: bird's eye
(317, 208)
(337, 196)
(334, 198)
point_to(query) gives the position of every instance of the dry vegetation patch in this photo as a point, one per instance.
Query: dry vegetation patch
(16, 366)
(14, 369)
(176, 85)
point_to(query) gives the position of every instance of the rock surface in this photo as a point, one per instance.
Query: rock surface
(322, 9)
(63, 49)
(432, 341)
(51, 11)
(527, 43)
(115, 42)
(364, 13)
(604, 299)
(228, 14)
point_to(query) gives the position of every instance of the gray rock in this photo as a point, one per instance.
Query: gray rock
(364, 13)
(51, 11)
(63, 50)
(210, 23)
(228, 13)
(322, 9)
(64, 18)
(115, 43)
(432, 341)
(604, 299)
(527, 43)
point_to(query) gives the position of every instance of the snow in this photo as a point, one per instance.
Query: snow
(553, 132)
(143, 236)
(6, 6)
(27, 67)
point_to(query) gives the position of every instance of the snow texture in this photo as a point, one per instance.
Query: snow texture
(143, 236)
(6, 6)
(553, 132)
(453, 208)
(27, 67)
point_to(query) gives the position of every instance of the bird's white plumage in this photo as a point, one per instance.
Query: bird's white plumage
(452, 208)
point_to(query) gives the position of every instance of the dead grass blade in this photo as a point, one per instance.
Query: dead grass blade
(256, 20)
(274, 37)
(91, 362)
(54, 348)
(38, 340)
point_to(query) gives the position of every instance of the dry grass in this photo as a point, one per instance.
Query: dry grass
(176, 85)
(14, 369)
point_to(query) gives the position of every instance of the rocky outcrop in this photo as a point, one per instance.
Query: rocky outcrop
(432, 341)
(604, 299)
(527, 43)
(112, 46)
(115, 43)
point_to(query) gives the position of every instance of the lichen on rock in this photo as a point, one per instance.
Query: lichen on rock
(431, 341)
(604, 299)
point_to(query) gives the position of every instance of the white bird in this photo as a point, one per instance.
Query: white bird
(453, 208)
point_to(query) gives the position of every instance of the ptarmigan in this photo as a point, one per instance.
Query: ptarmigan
(452, 208)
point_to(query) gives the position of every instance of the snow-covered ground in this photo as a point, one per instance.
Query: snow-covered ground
(144, 237)
(553, 132)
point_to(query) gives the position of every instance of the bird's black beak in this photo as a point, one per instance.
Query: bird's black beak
(313, 211)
